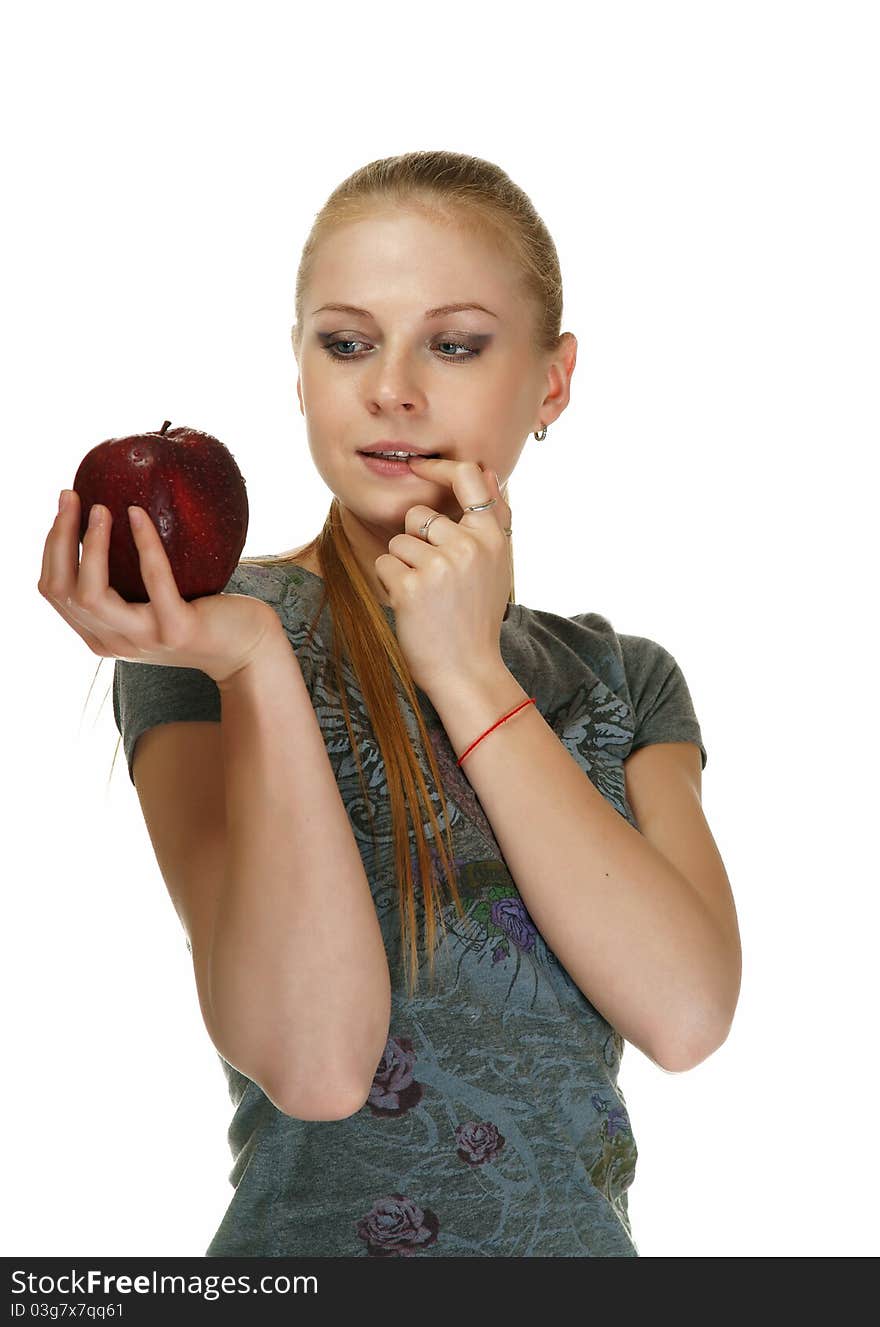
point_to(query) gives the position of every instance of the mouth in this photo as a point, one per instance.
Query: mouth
(391, 467)
(398, 453)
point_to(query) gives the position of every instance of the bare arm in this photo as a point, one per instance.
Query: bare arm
(261, 863)
(655, 951)
(297, 960)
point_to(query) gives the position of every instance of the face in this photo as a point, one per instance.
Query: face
(466, 384)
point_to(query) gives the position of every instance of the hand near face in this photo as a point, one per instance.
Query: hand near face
(450, 591)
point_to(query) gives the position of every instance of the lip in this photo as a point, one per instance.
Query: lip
(390, 445)
(390, 469)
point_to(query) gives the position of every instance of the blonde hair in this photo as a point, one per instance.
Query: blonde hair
(457, 190)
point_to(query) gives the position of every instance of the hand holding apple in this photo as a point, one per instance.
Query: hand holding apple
(194, 493)
(144, 617)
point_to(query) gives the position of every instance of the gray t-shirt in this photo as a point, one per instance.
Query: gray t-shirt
(495, 1126)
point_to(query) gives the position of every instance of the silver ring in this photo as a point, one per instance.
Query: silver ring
(478, 506)
(424, 530)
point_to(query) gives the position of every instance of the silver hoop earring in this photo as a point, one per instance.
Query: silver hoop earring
(539, 437)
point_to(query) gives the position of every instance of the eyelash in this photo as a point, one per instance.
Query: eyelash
(450, 359)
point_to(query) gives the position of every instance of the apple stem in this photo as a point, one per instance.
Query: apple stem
(165, 426)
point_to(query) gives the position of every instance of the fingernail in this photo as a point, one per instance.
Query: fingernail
(62, 499)
(95, 515)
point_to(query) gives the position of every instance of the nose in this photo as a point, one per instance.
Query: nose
(393, 385)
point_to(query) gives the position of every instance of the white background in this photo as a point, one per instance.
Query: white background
(709, 175)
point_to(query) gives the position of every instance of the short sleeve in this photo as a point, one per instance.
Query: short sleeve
(145, 695)
(663, 710)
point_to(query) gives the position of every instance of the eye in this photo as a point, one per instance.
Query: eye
(460, 345)
(471, 352)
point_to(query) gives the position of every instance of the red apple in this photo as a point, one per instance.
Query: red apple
(192, 489)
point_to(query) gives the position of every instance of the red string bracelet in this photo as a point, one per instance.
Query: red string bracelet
(495, 725)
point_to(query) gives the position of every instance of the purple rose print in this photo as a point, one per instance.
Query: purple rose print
(395, 1090)
(396, 1227)
(612, 1050)
(478, 1142)
(501, 951)
(616, 1118)
(509, 914)
(614, 1166)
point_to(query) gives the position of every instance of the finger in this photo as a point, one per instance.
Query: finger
(97, 605)
(413, 550)
(61, 553)
(388, 569)
(94, 604)
(60, 569)
(501, 508)
(441, 471)
(156, 571)
(469, 481)
(93, 583)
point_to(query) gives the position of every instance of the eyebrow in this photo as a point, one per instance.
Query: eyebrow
(440, 312)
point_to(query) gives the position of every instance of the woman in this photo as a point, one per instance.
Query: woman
(437, 855)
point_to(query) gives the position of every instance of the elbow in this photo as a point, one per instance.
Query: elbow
(685, 1052)
(335, 1108)
(681, 1059)
(328, 1089)
(701, 1029)
(316, 1104)
(327, 1096)
(321, 1096)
